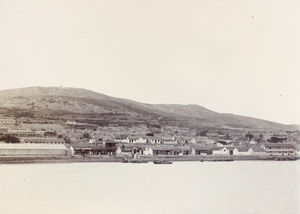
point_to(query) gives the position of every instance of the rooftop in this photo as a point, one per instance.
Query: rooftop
(31, 146)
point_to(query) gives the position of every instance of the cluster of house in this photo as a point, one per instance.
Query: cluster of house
(108, 140)
(29, 136)
(179, 146)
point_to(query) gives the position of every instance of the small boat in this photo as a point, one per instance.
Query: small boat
(162, 162)
(134, 161)
(138, 161)
(125, 160)
(227, 160)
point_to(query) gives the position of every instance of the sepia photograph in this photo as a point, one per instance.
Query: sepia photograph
(149, 107)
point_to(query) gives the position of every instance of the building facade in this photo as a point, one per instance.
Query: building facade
(279, 149)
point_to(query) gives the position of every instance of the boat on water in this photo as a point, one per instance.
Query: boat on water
(217, 160)
(162, 162)
(285, 159)
(138, 161)
(134, 161)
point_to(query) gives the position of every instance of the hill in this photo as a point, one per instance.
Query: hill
(56, 103)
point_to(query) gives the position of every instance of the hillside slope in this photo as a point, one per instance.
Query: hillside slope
(85, 105)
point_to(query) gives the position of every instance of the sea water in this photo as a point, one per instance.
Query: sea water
(180, 188)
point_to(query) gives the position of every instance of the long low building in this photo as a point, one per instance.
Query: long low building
(169, 150)
(279, 148)
(24, 134)
(43, 140)
(7, 121)
(24, 149)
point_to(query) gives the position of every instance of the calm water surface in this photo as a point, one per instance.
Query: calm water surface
(183, 187)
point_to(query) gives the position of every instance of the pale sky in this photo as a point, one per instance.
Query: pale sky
(230, 56)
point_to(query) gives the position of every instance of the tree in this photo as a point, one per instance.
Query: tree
(9, 139)
(261, 137)
(276, 140)
(203, 133)
(67, 139)
(86, 135)
(50, 133)
(220, 133)
(249, 136)
(227, 137)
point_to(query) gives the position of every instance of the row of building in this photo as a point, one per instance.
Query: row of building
(108, 142)
(112, 147)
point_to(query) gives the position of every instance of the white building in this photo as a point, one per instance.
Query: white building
(133, 139)
(71, 122)
(23, 149)
(243, 151)
(221, 151)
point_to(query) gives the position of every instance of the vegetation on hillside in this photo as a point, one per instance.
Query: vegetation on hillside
(41, 104)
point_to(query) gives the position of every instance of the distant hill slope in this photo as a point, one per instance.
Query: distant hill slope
(82, 104)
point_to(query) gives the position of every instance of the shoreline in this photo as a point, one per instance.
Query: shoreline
(139, 159)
